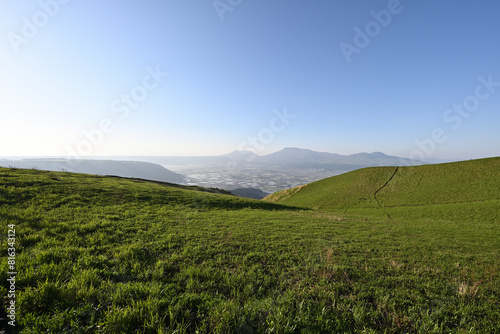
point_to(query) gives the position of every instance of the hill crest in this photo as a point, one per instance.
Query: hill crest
(375, 187)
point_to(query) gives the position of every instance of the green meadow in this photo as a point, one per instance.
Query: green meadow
(377, 250)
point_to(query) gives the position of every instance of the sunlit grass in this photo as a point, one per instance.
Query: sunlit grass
(109, 255)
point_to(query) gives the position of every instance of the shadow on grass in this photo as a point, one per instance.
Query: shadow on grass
(219, 198)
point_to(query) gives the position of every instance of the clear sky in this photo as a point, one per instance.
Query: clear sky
(190, 77)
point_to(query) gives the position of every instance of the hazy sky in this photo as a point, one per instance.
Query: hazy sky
(185, 77)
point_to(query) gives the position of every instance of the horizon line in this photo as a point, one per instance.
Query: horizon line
(7, 157)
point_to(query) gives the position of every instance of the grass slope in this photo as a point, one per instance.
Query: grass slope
(443, 187)
(110, 255)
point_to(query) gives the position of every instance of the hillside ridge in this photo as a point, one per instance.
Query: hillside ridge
(123, 168)
(382, 187)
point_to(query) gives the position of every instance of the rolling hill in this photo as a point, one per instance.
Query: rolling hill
(101, 254)
(135, 169)
(388, 188)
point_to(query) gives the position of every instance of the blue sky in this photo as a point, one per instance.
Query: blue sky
(410, 78)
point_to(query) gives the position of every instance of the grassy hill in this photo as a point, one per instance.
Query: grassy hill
(111, 255)
(473, 186)
(124, 168)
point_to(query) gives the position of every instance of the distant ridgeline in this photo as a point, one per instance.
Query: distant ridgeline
(135, 169)
(290, 157)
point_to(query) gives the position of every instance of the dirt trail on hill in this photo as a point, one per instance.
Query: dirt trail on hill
(379, 189)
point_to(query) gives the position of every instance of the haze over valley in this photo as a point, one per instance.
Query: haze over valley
(284, 169)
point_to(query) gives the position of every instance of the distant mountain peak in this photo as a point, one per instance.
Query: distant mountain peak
(381, 154)
(373, 154)
(295, 149)
(241, 152)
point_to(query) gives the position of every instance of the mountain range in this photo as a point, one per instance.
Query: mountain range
(303, 157)
(290, 157)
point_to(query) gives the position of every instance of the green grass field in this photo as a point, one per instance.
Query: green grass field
(109, 255)
(454, 191)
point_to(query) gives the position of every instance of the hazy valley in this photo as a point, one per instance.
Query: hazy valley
(284, 169)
